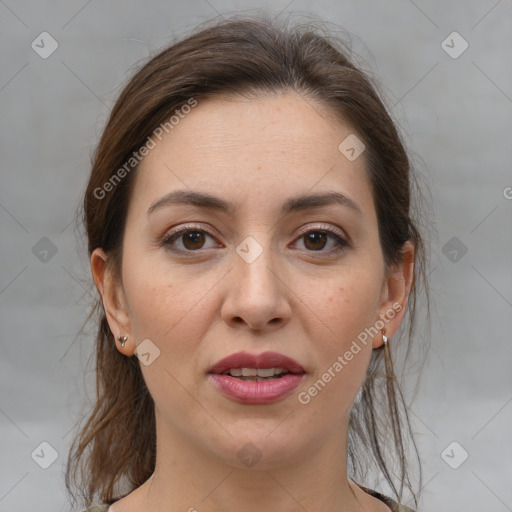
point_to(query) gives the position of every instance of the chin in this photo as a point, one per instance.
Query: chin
(261, 448)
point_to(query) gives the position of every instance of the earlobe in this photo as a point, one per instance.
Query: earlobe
(114, 302)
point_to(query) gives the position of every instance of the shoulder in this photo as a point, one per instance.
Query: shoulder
(393, 505)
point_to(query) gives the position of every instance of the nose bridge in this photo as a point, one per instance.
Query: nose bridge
(255, 294)
(254, 264)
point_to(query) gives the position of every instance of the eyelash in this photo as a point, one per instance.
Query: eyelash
(171, 237)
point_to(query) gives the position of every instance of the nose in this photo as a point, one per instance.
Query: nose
(256, 296)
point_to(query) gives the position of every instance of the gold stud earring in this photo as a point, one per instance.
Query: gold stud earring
(122, 340)
(384, 338)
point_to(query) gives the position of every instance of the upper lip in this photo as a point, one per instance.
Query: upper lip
(263, 360)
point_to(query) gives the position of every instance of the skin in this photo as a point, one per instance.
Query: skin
(198, 307)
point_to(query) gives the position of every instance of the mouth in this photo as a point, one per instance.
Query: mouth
(256, 367)
(241, 377)
(256, 374)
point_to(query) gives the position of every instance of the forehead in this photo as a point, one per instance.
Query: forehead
(265, 148)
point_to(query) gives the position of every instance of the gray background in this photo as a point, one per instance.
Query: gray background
(456, 114)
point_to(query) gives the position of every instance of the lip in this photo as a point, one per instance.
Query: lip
(256, 392)
(258, 361)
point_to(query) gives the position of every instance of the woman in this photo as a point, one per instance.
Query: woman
(252, 240)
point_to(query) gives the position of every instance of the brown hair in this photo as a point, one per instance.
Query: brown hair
(249, 55)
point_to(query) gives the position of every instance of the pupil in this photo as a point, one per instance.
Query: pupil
(314, 238)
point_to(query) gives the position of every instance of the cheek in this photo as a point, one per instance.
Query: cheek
(174, 311)
(167, 306)
(347, 307)
(158, 293)
(344, 349)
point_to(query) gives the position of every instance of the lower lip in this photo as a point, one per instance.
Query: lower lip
(257, 392)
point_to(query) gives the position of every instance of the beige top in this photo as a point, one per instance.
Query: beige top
(393, 505)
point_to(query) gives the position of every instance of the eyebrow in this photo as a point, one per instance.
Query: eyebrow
(293, 204)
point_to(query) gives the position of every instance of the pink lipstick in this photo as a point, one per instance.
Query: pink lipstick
(256, 378)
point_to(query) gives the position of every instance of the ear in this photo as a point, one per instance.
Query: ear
(395, 293)
(114, 300)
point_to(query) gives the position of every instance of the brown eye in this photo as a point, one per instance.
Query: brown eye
(319, 239)
(187, 240)
(315, 240)
(193, 240)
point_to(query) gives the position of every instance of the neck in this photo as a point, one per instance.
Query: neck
(192, 478)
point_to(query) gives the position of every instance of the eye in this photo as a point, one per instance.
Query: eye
(193, 239)
(316, 240)
(189, 239)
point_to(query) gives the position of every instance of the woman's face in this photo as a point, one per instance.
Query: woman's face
(268, 275)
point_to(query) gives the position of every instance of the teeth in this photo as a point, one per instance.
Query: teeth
(268, 372)
(253, 372)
